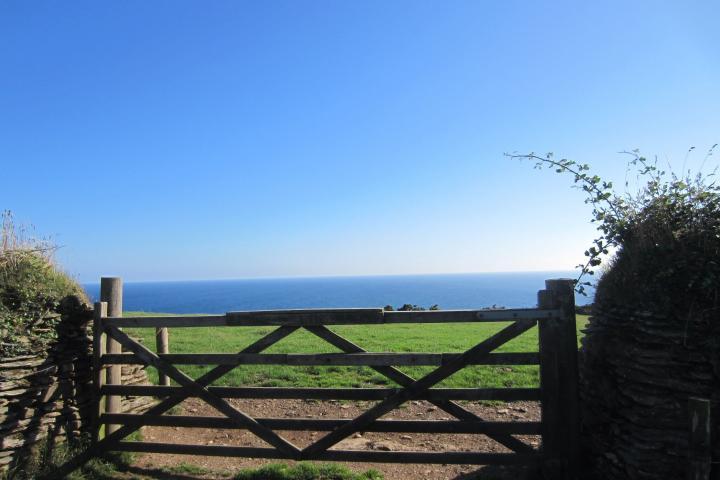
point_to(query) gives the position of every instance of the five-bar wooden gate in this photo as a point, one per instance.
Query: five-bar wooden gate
(556, 357)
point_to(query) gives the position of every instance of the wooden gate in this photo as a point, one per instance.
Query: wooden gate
(556, 357)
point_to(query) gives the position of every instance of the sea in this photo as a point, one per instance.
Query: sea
(447, 291)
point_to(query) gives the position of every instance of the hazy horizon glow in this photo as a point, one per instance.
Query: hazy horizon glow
(566, 273)
(182, 140)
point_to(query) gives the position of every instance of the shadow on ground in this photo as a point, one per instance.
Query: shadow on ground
(159, 474)
(499, 473)
(483, 473)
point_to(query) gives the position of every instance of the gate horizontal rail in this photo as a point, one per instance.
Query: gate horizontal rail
(354, 316)
(476, 458)
(302, 424)
(556, 358)
(318, 359)
(433, 394)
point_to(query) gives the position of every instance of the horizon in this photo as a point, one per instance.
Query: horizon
(177, 140)
(330, 276)
(448, 291)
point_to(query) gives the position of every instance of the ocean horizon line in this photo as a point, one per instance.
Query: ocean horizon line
(455, 290)
(331, 276)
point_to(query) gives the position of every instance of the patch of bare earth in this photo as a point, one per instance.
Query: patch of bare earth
(415, 410)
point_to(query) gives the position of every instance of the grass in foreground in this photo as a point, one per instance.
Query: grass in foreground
(306, 471)
(184, 468)
(46, 456)
(377, 338)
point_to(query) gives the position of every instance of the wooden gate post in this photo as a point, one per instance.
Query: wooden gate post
(99, 312)
(559, 381)
(162, 342)
(111, 292)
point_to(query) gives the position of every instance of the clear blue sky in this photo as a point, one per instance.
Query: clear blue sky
(182, 140)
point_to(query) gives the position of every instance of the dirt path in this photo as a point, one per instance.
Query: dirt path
(417, 410)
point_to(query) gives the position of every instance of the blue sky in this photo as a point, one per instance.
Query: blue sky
(180, 140)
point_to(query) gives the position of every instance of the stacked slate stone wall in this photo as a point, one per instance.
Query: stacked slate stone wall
(638, 369)
(46, 396)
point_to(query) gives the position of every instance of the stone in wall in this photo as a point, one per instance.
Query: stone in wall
(47, 395)
(638, 370)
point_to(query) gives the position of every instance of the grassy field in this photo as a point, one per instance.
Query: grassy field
(377, 338)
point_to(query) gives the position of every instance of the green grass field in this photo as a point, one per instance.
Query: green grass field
(376, 338)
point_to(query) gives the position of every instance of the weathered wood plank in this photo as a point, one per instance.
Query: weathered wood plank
(162, 344)
(111, 292)
(206, 450)
(551, 408)
(301, 424)
(483, 348)
(320, 316)
(349, 316)
(335, 359)
(463, 316)
(99, 340)
(476, 458)
(303, 318)
(564, 292)
(559, 381)
(168, 321)
(434, 394)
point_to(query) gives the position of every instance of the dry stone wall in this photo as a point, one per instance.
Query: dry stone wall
(47, 396)
(638, 370)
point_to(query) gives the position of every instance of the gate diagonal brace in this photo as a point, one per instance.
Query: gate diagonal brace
(151, 359)
(416, 388)
(404, 380)
(107, 442)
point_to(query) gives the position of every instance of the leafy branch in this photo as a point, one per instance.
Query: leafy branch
(615, 213)
(607, 208)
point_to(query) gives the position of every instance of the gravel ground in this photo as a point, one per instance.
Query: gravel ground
(514, 411)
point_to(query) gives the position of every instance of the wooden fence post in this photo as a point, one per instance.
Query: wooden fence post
(700, 445)
(98, 372)
(111, 292)
(162, 341)
(559, 381)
